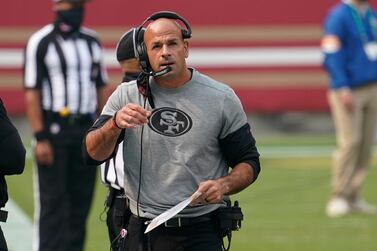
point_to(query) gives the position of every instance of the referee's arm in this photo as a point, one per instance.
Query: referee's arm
(33, 109)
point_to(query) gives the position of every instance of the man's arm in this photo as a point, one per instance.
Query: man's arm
(241, 176)
(43, 150)
(100, 143)
(240, 152)
(101, 98)
(11, 147)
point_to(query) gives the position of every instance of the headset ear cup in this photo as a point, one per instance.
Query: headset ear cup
(143, 57)
(186, 34)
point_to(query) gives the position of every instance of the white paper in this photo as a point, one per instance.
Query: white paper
(167, 215)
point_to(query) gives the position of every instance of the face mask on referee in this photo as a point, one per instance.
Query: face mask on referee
(69, 21)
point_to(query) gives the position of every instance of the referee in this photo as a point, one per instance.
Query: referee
(112, 173)
(64, 78)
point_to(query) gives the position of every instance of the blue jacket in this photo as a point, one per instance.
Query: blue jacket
(345, 58)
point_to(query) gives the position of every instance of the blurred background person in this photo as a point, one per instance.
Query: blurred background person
(12, 161)
(112, 173)
(349, 45)
(64, 78)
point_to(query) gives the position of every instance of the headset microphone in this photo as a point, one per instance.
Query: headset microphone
(167, 69)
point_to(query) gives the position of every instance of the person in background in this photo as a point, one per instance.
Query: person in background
(112, 173)
(12, 161)
(64, 80)
(180, 133)
(349, 45)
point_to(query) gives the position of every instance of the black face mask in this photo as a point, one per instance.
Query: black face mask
(69, 21)
(129, 76)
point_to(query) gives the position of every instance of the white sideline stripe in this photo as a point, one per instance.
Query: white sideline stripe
(18, 229)
(213, 57)
(275, 152)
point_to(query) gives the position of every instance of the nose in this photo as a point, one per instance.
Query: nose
(165, 51)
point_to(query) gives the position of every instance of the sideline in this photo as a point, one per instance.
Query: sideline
(18, 230)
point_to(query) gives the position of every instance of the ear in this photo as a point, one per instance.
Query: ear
(186, 47)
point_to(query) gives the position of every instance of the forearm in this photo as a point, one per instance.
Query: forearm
(101, 98)
(33, 110)
(241, 176)
(100, 143)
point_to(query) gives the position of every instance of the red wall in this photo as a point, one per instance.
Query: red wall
(272, 97)
(198, 12)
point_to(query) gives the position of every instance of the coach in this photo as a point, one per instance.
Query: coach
(185, 144)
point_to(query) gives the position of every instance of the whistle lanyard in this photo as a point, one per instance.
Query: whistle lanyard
(361, 26)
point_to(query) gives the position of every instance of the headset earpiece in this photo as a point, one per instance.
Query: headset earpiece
(143, 57)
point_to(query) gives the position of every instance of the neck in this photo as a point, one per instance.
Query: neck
(360, 4)
(173, 81)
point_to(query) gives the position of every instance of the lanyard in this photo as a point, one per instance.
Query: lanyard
(360, 25)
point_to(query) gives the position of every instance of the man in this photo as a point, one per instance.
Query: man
(64, 81)
(350, 49)
(12, 162)
(112, 173)
(186, 144)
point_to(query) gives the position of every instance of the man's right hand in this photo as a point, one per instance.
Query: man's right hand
(43, 152)
(131, 115)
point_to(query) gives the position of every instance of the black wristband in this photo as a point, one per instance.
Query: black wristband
(41, 135)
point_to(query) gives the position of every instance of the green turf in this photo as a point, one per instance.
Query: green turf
(284, 209)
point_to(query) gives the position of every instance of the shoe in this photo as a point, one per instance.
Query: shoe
(337, 207)
(361, 206)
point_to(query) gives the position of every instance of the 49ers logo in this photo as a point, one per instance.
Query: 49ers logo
(170, 122)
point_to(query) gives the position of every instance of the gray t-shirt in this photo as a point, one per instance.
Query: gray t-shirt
(180, 145)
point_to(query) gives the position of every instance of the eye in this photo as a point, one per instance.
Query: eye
(155, 46)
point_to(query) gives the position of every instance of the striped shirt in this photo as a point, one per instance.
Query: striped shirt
(68, 71)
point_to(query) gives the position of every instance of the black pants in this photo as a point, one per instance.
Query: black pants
(118, 215)
(203, 236)
(3, 243)
(64, 194)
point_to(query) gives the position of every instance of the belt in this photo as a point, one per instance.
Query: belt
(184, 221)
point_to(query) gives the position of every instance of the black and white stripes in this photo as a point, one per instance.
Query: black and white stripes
(67, 71)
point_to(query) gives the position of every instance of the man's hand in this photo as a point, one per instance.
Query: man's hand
(346, 98)
(131, 115)
(212, 191)
(43, 152)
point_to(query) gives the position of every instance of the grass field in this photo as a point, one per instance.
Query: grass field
(284, 209)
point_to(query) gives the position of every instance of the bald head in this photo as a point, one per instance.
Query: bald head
(161, 27)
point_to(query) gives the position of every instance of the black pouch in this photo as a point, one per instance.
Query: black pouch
(229, 218)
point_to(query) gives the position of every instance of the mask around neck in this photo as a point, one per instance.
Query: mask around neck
(69, 21)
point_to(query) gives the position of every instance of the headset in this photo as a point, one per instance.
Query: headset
(140, 45)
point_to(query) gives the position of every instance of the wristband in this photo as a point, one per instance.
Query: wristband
(114, 123)
(41, 135)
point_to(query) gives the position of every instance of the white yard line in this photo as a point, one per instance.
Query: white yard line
(18, 229)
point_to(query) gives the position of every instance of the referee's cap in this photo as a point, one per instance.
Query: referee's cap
(126, 47)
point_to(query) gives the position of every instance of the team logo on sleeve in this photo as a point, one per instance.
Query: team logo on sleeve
(170, 122)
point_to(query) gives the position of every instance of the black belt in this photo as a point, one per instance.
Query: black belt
(3, 215)
(75, 117)
(187, 221)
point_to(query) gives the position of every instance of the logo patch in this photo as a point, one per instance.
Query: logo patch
(170, 122)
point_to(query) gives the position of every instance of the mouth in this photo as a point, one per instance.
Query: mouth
(164, 65)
